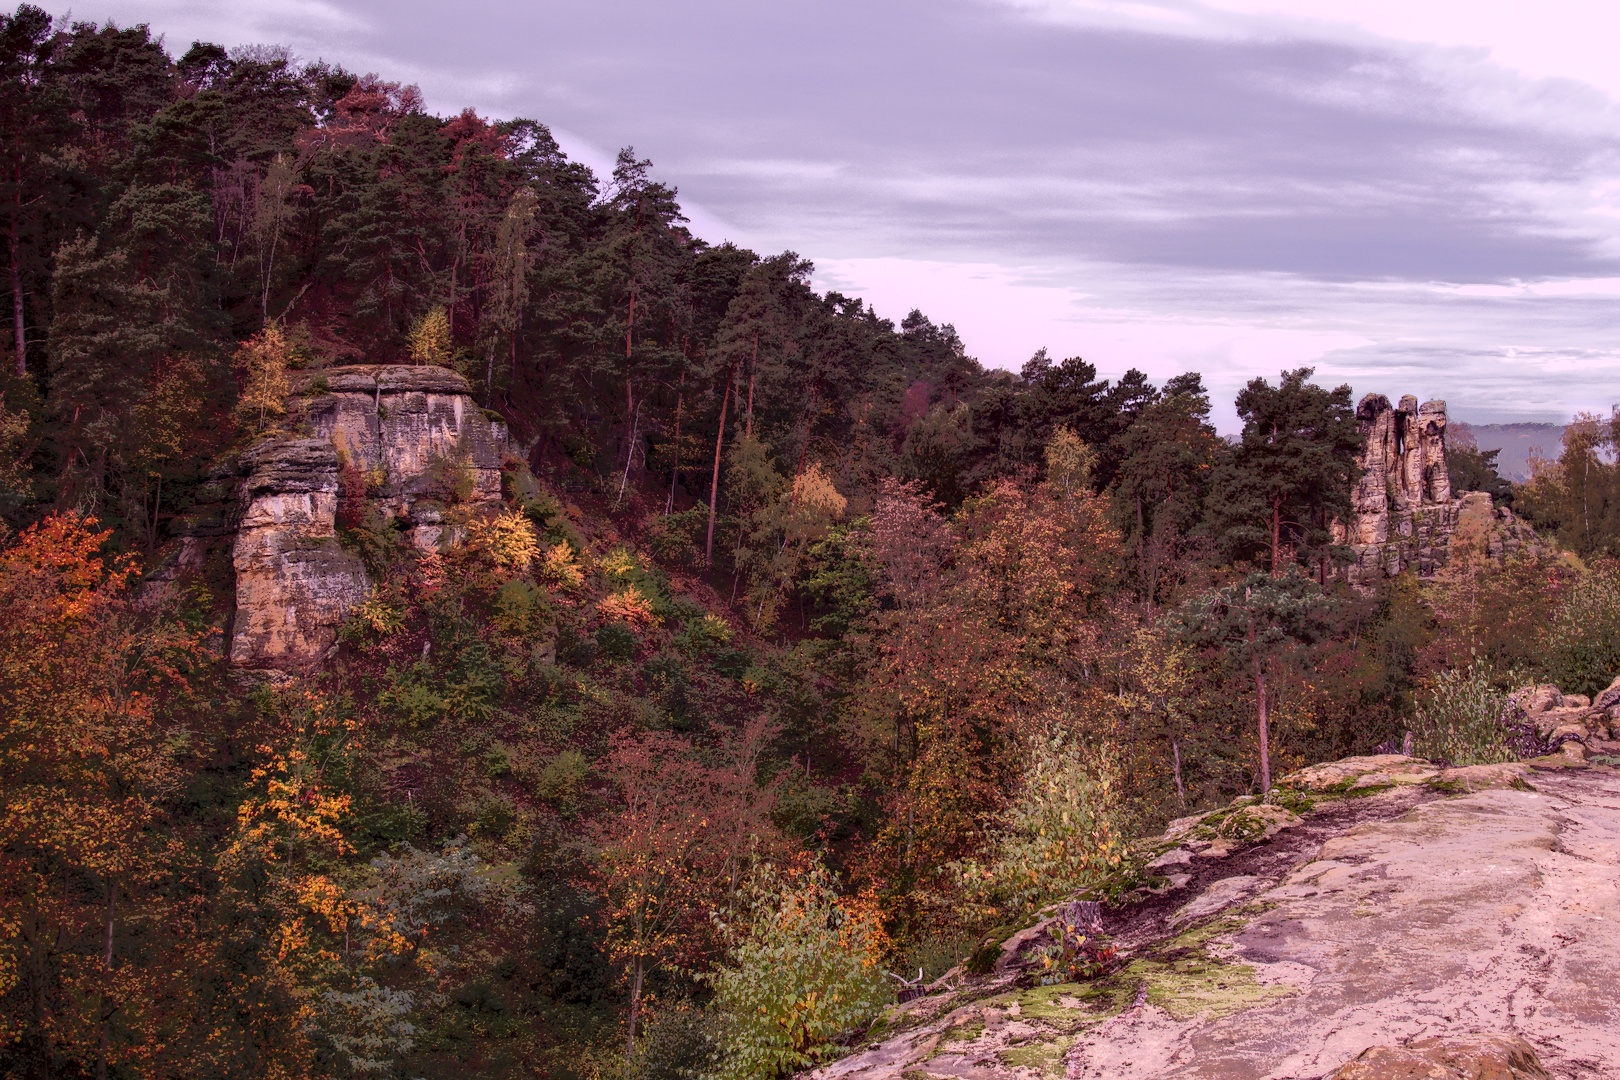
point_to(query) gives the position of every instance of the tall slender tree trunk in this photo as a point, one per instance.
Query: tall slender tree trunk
(19, 334)
(1265, 729)
(809, 422)
(635, 1008)
(1175, 757)
(675, 466)
(714, 484)
(753, 366)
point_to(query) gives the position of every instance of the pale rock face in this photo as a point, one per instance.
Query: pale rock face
(402, 422)
(1403, 515)
(294, 584)
(402, 425)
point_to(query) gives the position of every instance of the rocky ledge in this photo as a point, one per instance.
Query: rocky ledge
(1379, 918)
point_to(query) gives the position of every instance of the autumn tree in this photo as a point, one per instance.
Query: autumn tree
(677, 841)
(87, 758)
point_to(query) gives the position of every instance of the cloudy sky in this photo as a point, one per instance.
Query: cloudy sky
(1414, 196)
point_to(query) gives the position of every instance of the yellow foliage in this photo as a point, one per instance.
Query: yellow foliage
(377, 613)
(509, 538)
(429, 339)
(262, 360)
(617, 563)
(1069, 462)
(560, 567)
(628, 606)
(813, 491)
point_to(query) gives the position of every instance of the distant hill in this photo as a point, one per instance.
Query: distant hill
(1516, 441)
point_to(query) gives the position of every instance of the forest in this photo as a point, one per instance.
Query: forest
(802, 648)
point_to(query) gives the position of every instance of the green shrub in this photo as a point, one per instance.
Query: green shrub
(806, 970)
(1460, 718)
(1583, 643)
(1064, 830)
(616, 641)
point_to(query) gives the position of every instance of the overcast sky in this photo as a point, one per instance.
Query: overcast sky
(1413, 196)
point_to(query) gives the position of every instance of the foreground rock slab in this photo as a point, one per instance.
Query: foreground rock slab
(1471, 1057)
(1486, 913)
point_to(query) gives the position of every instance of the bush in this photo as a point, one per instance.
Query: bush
(1064, 831)
(616, 641)
(806, 970)
(1583, 643)
(1461, 718)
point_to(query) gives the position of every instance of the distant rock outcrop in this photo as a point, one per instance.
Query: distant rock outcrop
(406, 434)
(1403, 513)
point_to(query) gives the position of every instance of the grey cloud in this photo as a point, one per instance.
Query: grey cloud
(955, 129)
(946, 129)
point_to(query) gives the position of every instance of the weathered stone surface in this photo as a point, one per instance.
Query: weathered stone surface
(1461, 1057)
(1609, 698)
(1484, 777)
(412, 431)
(1535, 700)
(401, 421)
(1403, 513)
(1358, 773)
(1489, 912)
(294, 584)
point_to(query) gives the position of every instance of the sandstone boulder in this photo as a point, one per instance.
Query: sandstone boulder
(1535, 700)
(1459, 1057)
(1358, 773)
(1484, 777)
(1577, 701)
(1610, 698)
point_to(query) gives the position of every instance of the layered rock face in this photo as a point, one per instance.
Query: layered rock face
(1403, 513)
(294, 584)
(412, 432)
(412, 429)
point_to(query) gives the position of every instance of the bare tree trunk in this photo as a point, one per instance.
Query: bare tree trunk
(714, 484)
(635, 1008)
(809, 422)
(19, 335)
(1175, 757)
(675, 466)
(1265, 730)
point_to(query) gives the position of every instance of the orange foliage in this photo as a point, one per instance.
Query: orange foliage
(86, 758)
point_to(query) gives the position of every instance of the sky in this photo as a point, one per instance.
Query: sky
(1411, 196)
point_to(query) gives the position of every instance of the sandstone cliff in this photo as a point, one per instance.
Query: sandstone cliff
(294, 584)
(1404, 515)
(403, 432)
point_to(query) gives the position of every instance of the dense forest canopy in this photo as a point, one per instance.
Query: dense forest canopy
(800, 648)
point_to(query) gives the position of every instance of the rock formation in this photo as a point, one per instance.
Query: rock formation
(1403, 514)
(294, 584)
(410, 429)
(411, 435)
